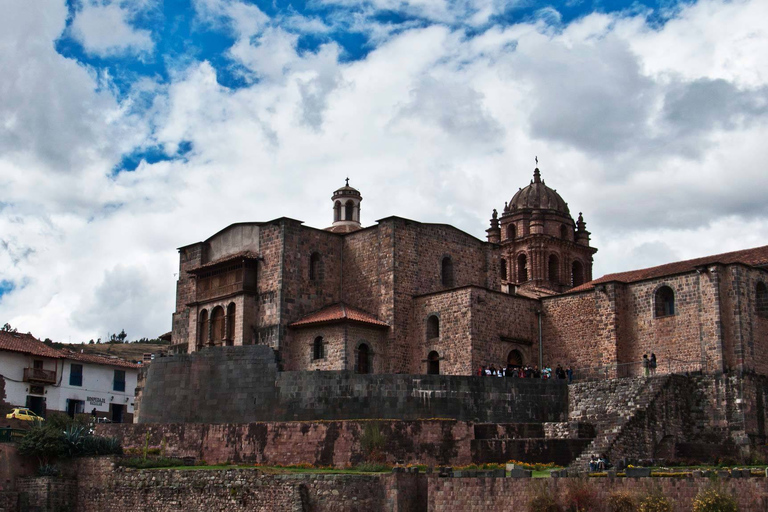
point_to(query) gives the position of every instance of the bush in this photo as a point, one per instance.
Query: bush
(714, 499)
(142, 463)
(48, 470)
(655, 503)
(372, 467)
(49, 441)
(580, 495)
(622, 501)
(372, 442)
(542, 500)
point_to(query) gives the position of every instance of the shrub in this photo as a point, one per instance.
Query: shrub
(372, 442)
(622, 501)
(542, 500)
(580, 495)
(655, 503)
(372, 467)
(714, 499)
(142, 463)
(48, 470)
(43, 442)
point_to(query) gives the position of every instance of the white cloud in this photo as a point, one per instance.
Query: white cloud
(657, 134)
(106, 29)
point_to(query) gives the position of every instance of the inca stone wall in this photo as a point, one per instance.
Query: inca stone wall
(242, 385)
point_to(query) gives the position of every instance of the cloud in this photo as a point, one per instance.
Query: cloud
(106, 29)
(655, 131)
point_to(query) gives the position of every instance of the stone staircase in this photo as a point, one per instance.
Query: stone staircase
(610, 405)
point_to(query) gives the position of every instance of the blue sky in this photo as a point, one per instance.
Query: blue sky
(130, 128)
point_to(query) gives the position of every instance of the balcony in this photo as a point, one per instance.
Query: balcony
(39, 375)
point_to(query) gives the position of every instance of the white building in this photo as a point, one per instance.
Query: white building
(45, 379)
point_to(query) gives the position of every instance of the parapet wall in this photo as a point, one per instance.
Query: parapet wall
(242, 385)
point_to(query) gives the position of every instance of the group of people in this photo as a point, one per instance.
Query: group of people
(527, 372)
(649, 364)
(599, 463)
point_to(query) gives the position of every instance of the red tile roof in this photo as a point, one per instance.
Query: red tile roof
(26, 344)
(757, 257)
(97, 359)
(338, 313)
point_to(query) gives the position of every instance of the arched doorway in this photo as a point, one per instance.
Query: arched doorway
(577, 274)
(363, 359)
(522, 268)
(217, 326)
(514, 358)
(433, 363)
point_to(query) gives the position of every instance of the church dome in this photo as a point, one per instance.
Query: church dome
(538, 196)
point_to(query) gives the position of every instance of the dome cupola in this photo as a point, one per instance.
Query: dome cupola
(537, 196)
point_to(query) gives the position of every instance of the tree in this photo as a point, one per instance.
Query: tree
(7, 328)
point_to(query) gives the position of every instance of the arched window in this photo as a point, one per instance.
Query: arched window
(446, 275)
(564, 232)
(231, 324)
(664, 304)
(217, 325)
(349, 210)
(762, 300)
(577, 274)
(514, 358)
(511, 232)
(522, 268)
(554, 269)
(433, 363)
(314, 267)
(337, 211)
(433, 327)
(202, 331)
(363, 359)
(503, 268)
(318, 349)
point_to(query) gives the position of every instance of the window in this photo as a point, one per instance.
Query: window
(433, 363)
(511, 232)
(318, 350)
(363, 359)
(522, 268)
(337, 211)
(664, 302)
(37, 364)
(349, 210)
(514, 358)
(119, 381)
(433, 327)
(447, 272)
(554, 269)
(75, 375)
(217, 325)
(577, 274)
(564, 232)
(762, 300)
(231, 324)
(503, 269)
(202, 333)
(314, 267)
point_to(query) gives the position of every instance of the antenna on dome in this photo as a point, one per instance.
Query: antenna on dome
(537, 160)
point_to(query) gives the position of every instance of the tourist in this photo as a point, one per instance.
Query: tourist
(593, 463)
(646, 364)
(481, 371)
(569, 374)
(487, 370)
(653, 363)
(536, 372)
(560, 373)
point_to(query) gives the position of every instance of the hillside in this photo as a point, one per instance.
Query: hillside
(128, 351)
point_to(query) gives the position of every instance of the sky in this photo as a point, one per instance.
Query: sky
(131, 128)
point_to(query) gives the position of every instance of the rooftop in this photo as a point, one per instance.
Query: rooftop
(337, 313)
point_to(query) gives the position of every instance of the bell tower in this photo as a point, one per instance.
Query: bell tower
(346, 209)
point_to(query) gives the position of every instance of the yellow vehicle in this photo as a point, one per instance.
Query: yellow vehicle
(22, 413)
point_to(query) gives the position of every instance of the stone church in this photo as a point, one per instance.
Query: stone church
(403, 296)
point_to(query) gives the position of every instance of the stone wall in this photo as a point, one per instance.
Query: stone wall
(513, 494)
(241, 385)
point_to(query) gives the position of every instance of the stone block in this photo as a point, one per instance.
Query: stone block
(520, 473)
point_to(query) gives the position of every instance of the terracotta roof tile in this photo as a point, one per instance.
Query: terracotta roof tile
(97, 359)
(27, 344)
(756, 257)
(338, 313)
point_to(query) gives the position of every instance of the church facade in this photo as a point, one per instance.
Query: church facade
(408, 297)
